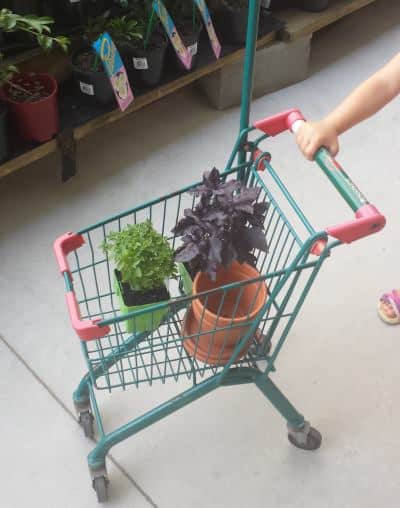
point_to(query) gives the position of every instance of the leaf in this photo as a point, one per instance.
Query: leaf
(255, 238)
(188, 253)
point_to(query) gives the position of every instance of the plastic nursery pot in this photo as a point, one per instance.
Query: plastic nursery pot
(186, 278)
(130, 301)
(227, 315)
(190, 39)
(234, 23)
(147, 65)
(90, 79)
(34, 120)
(3, 133)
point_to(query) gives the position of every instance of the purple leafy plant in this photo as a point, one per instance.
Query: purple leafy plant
(226, 225)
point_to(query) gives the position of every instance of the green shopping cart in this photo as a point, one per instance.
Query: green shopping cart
(118, 355)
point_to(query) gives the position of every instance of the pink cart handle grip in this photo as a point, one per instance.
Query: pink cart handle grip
(63, 246)
(85, 328)
(282, 122)
(368, 219)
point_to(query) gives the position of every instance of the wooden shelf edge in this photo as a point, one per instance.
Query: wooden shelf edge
(299, 24)
(27, 158)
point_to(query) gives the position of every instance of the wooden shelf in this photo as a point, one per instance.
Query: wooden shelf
(141, 101)
(299, 23)
(27, 158)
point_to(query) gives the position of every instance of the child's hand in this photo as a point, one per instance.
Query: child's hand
(313, 135)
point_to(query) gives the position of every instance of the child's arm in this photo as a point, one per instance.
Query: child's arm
(363, 102)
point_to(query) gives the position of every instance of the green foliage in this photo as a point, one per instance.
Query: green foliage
(95, 27)
(143, 256)
(35, 25)
(125, 30)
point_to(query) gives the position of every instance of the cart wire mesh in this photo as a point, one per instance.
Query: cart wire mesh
(120, 358)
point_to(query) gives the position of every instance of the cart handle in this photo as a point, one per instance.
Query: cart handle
(86, 329)
(368, 219)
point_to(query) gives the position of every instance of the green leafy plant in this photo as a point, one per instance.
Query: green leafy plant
(124, 29)
(142, 12)
(94, 28)
(39, 27)
(143, 256)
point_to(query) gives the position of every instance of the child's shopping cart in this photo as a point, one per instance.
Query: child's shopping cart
(117, 358)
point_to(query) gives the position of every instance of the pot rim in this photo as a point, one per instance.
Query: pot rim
(222, 319)
(39, 75)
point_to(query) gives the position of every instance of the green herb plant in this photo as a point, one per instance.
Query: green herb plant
(34, 25)
(124, 29)
(142, 255)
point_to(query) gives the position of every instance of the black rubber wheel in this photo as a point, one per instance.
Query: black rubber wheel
(314, 440)
(100, 486)
(86, 420)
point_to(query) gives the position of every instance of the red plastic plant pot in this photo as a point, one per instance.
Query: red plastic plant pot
(34, 120)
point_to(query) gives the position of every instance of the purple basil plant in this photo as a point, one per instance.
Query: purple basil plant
(226, 225)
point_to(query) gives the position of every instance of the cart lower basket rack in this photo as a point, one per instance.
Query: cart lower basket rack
(117, 358)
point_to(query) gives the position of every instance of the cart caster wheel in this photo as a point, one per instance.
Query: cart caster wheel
(307, 438)
(100, 484)
(86, 420)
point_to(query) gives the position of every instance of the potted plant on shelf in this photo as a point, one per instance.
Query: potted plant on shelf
(91, 82)
(219, 237)
(144, 261)
(188, 23)
(31, 98)
(141, 43)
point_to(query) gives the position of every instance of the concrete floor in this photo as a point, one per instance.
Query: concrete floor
(340, 365)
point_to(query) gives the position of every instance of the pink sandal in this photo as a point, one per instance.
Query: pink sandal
(392, 299)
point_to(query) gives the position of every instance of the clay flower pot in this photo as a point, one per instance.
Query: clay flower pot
(231, 313)
(35, 120)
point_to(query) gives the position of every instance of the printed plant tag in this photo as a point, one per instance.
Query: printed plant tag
(205, 13)
(170, 28)
(115, 70)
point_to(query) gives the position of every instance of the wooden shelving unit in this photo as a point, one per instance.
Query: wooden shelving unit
(297, 23)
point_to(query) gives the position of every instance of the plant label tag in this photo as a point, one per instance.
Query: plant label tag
(86, 88)
(140, 64)
(205, 14)
(170, 28)
(115, 70)
(193, 49)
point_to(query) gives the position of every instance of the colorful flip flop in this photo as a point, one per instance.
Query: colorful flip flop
(392, 299)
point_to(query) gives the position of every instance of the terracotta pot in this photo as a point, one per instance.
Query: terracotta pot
(230, 313)
(38, 120)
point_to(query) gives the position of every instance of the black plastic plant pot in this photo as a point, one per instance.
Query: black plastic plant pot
(91, 82)
(130, 301)
(3, 133)
(191, 39)
(147, 65)
(234, 23)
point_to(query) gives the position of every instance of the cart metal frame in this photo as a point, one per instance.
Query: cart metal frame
(117, 359)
